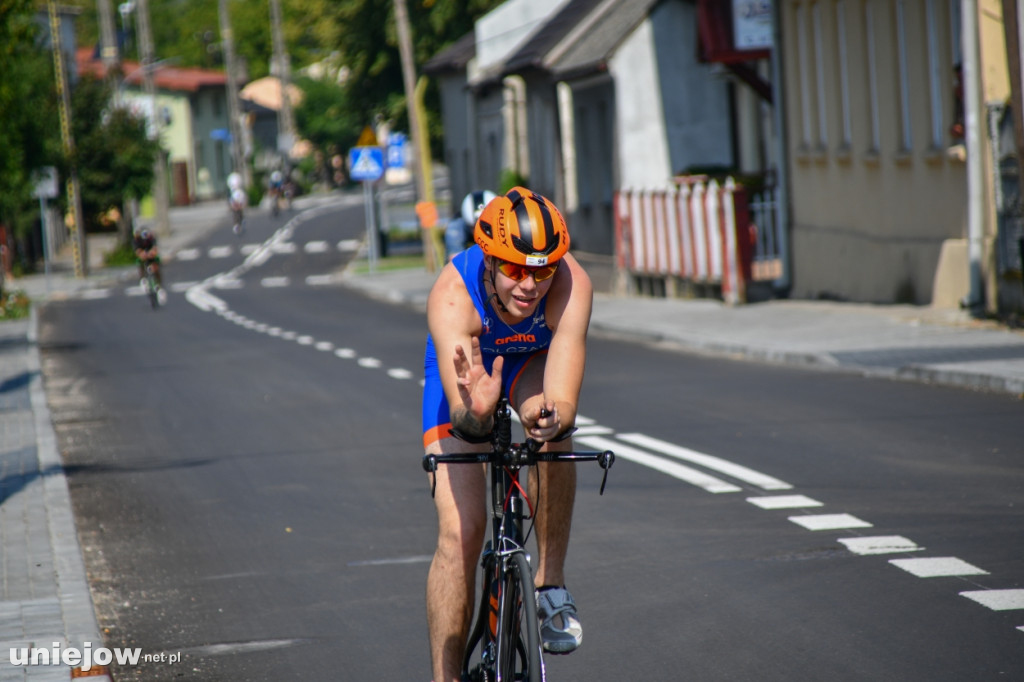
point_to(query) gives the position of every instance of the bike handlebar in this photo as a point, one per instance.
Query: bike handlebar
(518, 455)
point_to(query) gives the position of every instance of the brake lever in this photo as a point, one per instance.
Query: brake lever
(430, 466)
(606, 459)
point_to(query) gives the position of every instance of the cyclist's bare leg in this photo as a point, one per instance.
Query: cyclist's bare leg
(557, 494)
(461, 502)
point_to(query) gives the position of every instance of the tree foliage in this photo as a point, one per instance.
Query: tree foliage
(113, 152)
(29, 130)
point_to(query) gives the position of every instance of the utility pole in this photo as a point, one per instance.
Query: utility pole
(424, 184)
(971, 66)
(145, 36)
(109, 51)
(235, 124)
(285, 118)
(74, 189)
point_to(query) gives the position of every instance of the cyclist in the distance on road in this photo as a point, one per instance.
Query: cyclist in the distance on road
(146, 253)
(508, 314)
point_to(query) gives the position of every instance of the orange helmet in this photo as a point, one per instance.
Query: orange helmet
(522, 227)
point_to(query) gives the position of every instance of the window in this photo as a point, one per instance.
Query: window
(935, 74)
(906, 141)
(844, 74)
(869, 33)
(819, 68)
(805, 77)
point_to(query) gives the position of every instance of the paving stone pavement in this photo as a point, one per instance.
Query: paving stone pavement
(44, 596)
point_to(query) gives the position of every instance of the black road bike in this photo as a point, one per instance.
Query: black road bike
(151, 286)
(505, 644)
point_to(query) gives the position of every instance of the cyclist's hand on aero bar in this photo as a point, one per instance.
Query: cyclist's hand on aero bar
(478, 389)
(541, 420)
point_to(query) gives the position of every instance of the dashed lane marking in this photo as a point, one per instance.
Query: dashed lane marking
(398, 373)
(784, 502)
(829, 521)
(997, 600)
(317, 247)
(935, 567)
(880, 544)
(220, 252)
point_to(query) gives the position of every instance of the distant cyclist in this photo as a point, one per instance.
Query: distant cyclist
(147, 254)
(276, 191)
(509, 314)
(458, 234)
(237, 201)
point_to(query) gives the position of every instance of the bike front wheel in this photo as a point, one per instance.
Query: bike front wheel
(519, 646)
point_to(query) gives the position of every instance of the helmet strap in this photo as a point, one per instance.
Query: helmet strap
(494, 290)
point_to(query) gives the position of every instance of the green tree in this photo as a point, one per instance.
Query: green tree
(29, 129)
(325, 119)
(113, 152)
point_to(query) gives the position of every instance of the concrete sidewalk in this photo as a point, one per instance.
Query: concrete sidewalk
(44, 594)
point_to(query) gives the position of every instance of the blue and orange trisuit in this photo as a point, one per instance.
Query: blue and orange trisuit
(517, 343)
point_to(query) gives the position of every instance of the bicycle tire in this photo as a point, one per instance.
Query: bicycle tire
(154, 300)
(519, 646)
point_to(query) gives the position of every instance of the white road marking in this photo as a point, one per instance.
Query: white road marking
(997, 600)
(784, 502)
(228, 283)
(935, 567)
(398, 373)
(829, 521)
(178, 287)
(718, 464)
(316, 247)
(348, 245)
(592, 430)
(134, 291)
(248, 249)
(288, 336)
(95, 294)
(324, 346)
(187, 254)
(274, 282)
(372, 363)
(219, 252)
(683, 473)
(880, 544)
(319, 280)
(346, 353)
(304, 340)
(283, 247)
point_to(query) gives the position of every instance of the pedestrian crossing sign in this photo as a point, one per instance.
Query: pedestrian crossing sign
(366, 164)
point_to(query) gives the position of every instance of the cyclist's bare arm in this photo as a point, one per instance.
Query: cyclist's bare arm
(455, 327)
(568, 313)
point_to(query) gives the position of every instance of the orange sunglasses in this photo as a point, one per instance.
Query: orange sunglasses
(519, 272)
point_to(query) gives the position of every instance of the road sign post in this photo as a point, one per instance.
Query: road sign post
(366, 165)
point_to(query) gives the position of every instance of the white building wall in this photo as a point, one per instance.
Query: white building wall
(641, 138)
(502, 30)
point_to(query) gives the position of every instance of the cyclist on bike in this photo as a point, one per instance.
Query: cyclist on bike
(146, 254)
(508, 314)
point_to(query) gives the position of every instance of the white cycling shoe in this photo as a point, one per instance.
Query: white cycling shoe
(560, 628)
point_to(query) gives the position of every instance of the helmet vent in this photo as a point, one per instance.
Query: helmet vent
(486, 228)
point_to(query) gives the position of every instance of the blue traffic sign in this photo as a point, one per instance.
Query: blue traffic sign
(366, 164)
(396, 150)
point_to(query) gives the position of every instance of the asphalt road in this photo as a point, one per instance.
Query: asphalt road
(248, 493)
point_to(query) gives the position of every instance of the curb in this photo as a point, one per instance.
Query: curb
(80, 625)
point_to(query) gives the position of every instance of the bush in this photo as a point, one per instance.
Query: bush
(122, 255)
(14, 305)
